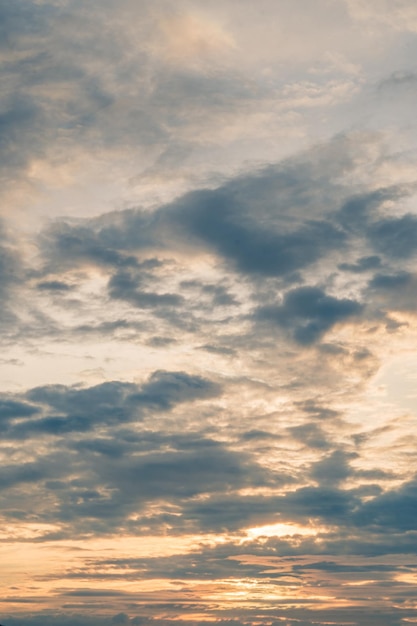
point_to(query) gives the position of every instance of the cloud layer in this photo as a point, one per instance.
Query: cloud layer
(208, 278)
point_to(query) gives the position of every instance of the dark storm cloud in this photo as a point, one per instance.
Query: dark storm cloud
(307, 313)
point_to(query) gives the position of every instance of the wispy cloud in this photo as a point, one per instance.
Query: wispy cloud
(207, 272)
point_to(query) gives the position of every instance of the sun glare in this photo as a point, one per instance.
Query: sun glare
(281, 530)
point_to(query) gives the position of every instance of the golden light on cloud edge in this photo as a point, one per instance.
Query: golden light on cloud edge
(208, 275)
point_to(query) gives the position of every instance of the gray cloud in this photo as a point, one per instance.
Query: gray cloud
(363, 264)
(333, 469)
(394, 509)
(258, 227)
(54, 286)
(393, 291)
(11, 409)
(359, 209)
(278, 241)
(167, 388)
(98, 480)
(11, 279)
(80, 410)
(395, 237)
(308, 312)
(125, 286)
(145, 255)
(232, 282)
(310, 434)
(216, 219)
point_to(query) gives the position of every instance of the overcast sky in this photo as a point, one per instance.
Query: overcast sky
(208, 323)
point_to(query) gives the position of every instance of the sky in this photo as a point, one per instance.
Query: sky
(208, 324)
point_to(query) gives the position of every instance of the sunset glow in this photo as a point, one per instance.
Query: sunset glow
(208, 364)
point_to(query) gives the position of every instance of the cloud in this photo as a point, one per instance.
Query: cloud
(226, 295)
(54, 286)
(11, 278)
(251, 247)
(401, 17)
(167, 388)
(10, 409)
(360, 208)
(22, 473)
(395, 237)
(125, 286)
(274, 240)
(311, 435)
(308, 312)
(392, 510)
(364, 264)
(333, 469)
(191, 39)
(394, 291)
(150, 258)
(101, 479)
(82, 409)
